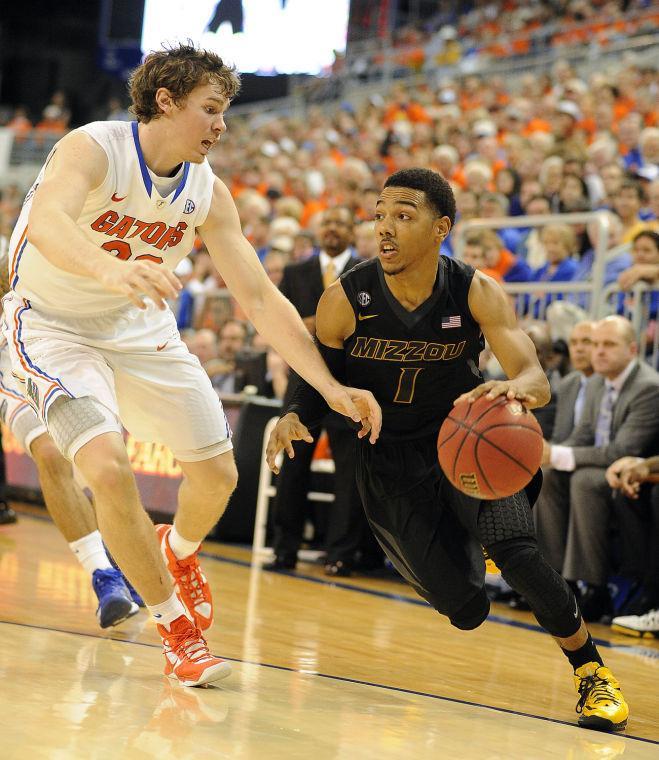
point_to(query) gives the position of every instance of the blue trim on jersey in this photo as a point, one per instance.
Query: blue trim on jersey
(48, 398)
(181, 184)
(18, 261)
(21, 347)
(148, 184)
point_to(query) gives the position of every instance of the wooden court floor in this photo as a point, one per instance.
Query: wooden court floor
(352, 670)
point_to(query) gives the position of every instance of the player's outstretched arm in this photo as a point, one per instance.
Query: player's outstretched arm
(77, 166)
(515, 351)
(271, 314)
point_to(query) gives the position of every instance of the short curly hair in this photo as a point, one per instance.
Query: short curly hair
(439, 194)
(179, 69)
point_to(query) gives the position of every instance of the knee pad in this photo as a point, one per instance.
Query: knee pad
(472, 614)
(73, 422)
(505, 519)
(525, 569)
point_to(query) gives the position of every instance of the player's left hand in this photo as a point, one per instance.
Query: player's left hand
(494, 388)
(360, 406)
(288, 429)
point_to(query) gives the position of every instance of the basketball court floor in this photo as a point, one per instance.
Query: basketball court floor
(354, 670)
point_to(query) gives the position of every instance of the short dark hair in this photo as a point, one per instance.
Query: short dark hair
(650, 234)
(437, 190)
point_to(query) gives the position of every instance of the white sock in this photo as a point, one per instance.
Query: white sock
(166, 612)
(181, 547)
(90, 552)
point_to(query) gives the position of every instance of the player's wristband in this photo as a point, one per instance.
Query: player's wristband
(304, 399)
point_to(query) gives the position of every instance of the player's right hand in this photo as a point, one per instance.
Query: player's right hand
(138, 280)
(627, 474)
(360, 406)
(288, 429)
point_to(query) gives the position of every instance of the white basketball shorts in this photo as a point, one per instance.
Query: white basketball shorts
(130, 360)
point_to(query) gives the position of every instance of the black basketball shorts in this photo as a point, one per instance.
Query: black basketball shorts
(428, 529)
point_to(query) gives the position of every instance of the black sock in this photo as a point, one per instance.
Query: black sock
(586, 653)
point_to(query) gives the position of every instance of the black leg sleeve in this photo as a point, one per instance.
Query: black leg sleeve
(506, 531)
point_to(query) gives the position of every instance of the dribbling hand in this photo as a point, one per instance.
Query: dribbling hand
(138, 280)
(288, 429)
(494, 388)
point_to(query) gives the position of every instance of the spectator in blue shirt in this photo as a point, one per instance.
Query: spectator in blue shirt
(614, 265)
(496, 206)
(560, 244)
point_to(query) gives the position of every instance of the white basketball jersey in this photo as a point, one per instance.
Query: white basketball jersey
(126, 216)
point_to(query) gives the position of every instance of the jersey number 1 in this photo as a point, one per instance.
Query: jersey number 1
(406, 385)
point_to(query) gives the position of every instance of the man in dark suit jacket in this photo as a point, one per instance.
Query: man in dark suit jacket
(347, 530)
(571, 392)
(619, 417)
(541, 338)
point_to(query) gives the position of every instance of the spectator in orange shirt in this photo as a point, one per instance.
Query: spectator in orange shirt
(473, 253)
(508, 266)
(19, 123)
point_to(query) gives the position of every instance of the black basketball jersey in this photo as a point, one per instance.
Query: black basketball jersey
(415, 363)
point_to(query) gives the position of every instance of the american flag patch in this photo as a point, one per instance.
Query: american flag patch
(455, 321)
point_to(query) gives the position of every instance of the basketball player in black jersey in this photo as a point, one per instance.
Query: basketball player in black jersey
(409, 326)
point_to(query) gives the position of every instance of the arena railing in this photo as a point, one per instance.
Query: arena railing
(639, 305)
(589, 292)
(531, 300)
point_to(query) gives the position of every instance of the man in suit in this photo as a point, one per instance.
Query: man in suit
(347, 531)
(619, 417)
(571, 392)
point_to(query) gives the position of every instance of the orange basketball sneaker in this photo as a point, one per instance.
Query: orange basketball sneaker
(187, 657)
(191, 585)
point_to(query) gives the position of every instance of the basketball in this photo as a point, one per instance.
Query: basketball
(490, 449)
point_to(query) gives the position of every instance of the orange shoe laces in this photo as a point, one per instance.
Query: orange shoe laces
(190, 579)
(195, 649)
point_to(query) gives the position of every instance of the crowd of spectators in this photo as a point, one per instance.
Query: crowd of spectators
(491, 30)
(553, 144)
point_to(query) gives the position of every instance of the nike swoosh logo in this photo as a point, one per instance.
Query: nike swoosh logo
(576, 608)
(157, 615)
(116, 198)
(362, 317)
(160, 348)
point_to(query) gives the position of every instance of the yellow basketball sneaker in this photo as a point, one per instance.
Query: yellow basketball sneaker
(490, 566)
(601, 705)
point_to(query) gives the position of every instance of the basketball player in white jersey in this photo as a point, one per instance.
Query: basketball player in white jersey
(115, 208)
(70, 509)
